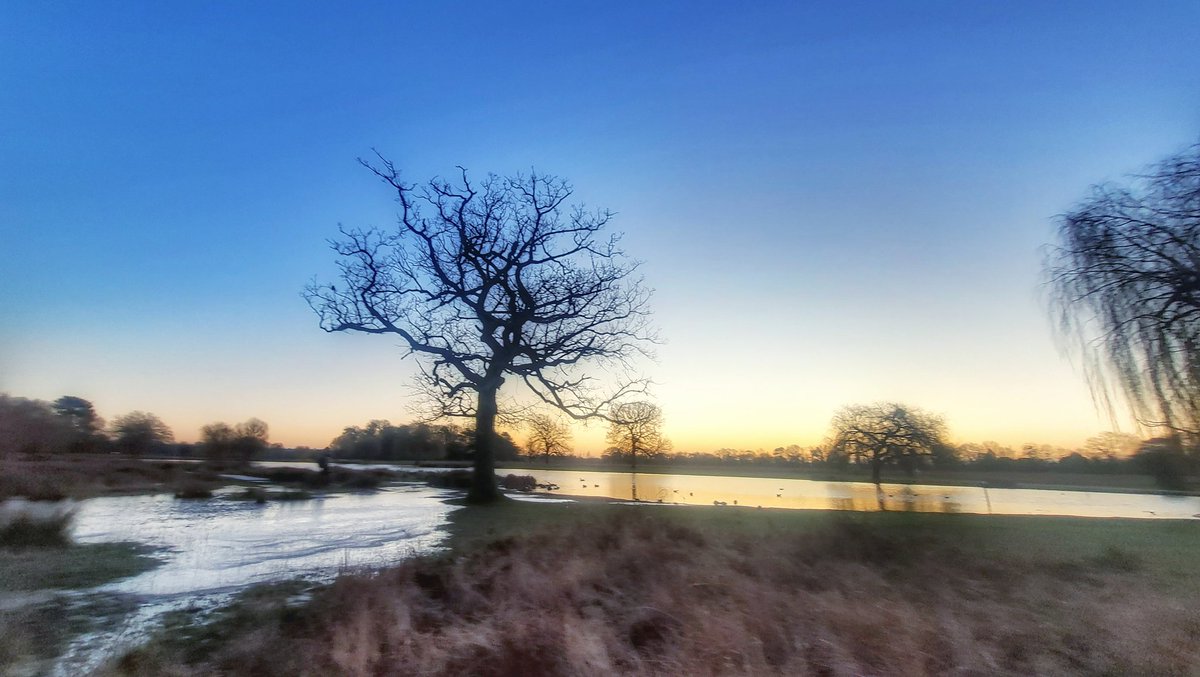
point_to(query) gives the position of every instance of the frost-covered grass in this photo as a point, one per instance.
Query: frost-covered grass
(598, 589)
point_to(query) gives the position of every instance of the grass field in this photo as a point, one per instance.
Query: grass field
(595, 588)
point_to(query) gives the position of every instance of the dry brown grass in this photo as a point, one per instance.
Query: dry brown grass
(641, 593)
(83, 476)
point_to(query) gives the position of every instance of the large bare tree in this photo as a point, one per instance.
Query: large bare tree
(885, 432)
(493, 281)
(1125, 284)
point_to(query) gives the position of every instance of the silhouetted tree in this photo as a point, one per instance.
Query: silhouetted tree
(138, 432)
(548, 436)
(1165, 460)
(80, 413)
(32, 427)
(379, 439)
(1125, 279)
(490, 281)
(502, 445)
(636, 428)
(84, 421)
(943, 455)
(238, 444)
(885, 432)
(1112, 445)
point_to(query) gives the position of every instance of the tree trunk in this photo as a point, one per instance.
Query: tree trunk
(483, 479)
(633, 447)
(876, 466)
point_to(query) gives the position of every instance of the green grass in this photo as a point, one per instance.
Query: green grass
(1167, 549)
(72, 566)
(36, 623)
(34, 634)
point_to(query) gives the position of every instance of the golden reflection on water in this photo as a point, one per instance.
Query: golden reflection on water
(816, 495)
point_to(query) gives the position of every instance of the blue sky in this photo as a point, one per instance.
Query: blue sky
(837, 203)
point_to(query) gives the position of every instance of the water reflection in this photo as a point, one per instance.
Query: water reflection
(817, 495)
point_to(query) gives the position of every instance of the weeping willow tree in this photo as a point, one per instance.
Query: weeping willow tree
(1125, 293)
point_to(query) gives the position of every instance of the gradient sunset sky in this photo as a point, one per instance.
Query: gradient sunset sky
(837, 203)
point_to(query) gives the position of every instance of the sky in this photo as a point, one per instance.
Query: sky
(835, 202)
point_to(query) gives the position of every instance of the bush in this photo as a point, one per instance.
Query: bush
(190, 488)
(519, 482)
(1169, 467)
(23, 525)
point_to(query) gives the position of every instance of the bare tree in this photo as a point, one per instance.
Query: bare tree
(884, 433)
(236, 445)
(636, 428)
(1125, 284)
(491, 281)
(548, 436)
(138, 432)
(1112, 445)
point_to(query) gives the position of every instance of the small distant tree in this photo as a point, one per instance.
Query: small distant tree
(886, 433)
(1112, 445)
(82, 418)
(80, 413)
(235, 445)
(548, 436)
(636, 428)
(503, 448)
(139, 432)
(944, 455)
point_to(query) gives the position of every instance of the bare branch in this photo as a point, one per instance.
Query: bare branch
(484, 281)
(1124, 281)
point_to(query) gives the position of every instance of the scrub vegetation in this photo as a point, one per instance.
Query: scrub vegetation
(647, 590)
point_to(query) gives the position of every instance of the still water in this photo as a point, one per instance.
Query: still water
(816, 495)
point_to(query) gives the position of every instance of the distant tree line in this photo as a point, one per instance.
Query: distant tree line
(70, 424)
(380, 440)
(1159, 457)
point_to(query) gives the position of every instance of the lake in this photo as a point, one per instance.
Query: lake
(819, 495)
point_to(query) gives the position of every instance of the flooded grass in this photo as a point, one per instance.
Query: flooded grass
(72, 566)
(588, 588)
(36, 620)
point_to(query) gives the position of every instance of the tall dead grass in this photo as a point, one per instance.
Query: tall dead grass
(640, 594)
(43, 478)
